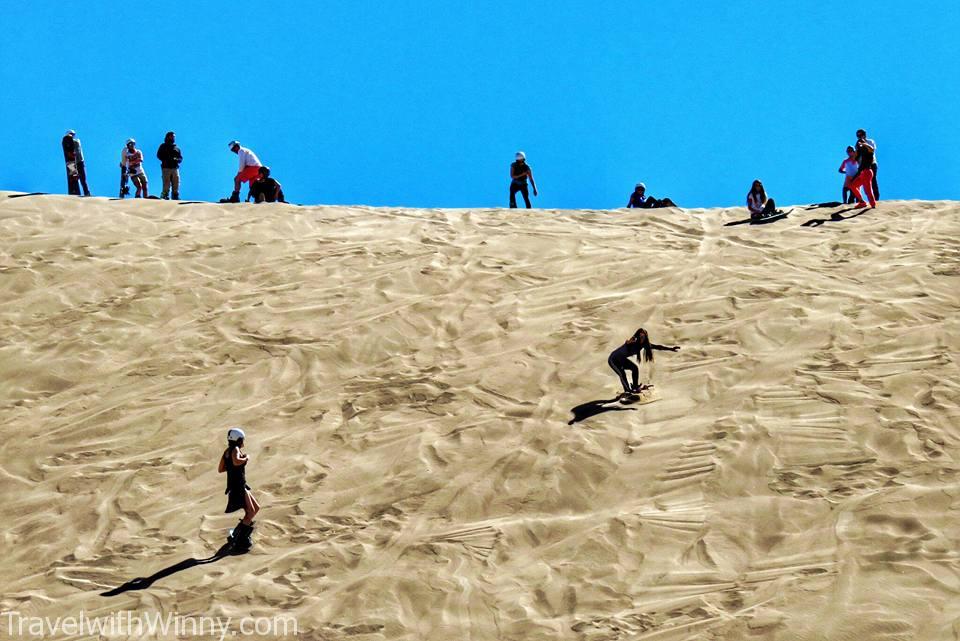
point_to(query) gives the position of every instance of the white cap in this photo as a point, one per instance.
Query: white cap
(233, 143)
(234, 434)
(70, 132)
(521, 155)
(639, 185)
(131, 140)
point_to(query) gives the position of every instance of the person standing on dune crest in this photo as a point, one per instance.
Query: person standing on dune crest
(519, 172)
(249, 169)
(233, 462)
(76, 169)
(170, 158)
(869, 144)
(131, 160)
(619, 359)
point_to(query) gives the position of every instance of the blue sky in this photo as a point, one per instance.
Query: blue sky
(424, 103)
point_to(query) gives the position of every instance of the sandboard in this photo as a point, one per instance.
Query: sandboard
(769, 219)
(643, 398)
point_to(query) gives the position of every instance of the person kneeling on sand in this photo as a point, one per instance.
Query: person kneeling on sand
(640, 200)
(757, 202)
(248, 172)
(266, 189)
(234, 463)
(131, 159)
(619, 360)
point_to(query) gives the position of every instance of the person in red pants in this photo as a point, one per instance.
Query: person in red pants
(864, 177)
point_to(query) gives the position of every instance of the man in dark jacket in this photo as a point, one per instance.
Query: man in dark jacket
(170, 158)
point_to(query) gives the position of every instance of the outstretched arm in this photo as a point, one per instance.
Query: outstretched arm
(666, 348)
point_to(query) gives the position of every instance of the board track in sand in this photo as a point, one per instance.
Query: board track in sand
(406, 378)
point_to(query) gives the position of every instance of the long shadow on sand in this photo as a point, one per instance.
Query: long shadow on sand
(592, 408)
(836, 217)
(141, 583)
(766, 220)
(35, 193)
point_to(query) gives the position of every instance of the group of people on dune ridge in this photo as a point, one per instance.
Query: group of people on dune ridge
(859, 170)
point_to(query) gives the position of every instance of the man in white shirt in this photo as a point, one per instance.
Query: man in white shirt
(249, 169)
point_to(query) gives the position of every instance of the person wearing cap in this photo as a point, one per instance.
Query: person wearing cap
(520, 171)
(76, 170)
(867, 152)
(131, 160)
(249, 169)
(266, 189)
(233, 462)
(170, 158)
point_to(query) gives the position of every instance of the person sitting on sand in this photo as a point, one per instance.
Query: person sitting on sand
(849, 168)
(640, 200)
(519, 172)
(619, 359)
(249, 169)
(864, 176)
(757, 202)
(266, 189)
(234, 463)
(132, 161)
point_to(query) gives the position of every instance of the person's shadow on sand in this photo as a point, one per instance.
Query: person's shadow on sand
(592, 408)
(835, 217)
(141, 583)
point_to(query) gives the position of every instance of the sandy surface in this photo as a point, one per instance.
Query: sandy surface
(406, 378)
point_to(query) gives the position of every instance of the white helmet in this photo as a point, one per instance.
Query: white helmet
(233, 143)
(131, 141)
(70, 132)
(521, 155)
(641, 186)
(235, 434)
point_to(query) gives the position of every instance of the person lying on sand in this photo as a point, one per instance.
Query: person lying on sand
(234, 463)
(619, 359)
(640, 200)
(757, 202)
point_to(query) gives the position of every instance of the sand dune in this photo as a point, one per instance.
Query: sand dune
(406, 378)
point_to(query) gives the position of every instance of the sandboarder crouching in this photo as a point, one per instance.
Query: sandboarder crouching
(266, 189)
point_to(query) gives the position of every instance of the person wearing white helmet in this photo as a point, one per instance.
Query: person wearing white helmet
(520, 171)
(249, 169)
(233, 462)
(131, 161)
(640, 200)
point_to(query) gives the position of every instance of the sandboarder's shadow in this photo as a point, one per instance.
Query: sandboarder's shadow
(34, 193)
(592, 408)
(836, 217)
(765, 220)
(141, 583)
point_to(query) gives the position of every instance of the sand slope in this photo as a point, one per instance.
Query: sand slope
(406, 379)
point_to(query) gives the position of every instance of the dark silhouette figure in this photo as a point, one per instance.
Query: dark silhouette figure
(835, 217)
(142, 583)
(592, 408)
